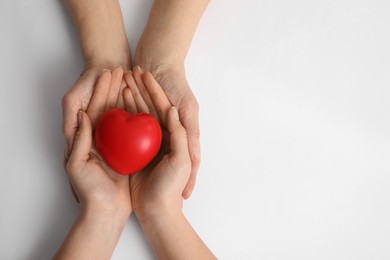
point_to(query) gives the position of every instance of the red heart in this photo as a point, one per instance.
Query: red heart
(127, 142)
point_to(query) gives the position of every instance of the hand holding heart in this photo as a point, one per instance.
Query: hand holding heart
(97, 186)
(161, 183)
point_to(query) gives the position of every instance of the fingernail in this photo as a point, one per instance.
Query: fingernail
(80, 116)
(138, 67)
(175, 113)
(116, 66)
(106, 70)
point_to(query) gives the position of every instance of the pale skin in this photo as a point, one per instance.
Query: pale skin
(154, 194)
(161, 50)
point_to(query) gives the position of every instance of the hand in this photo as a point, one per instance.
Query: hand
(78, 98)
(156, 191)
(173, 81)
(104, 195)
(96, 184)
(158, 187)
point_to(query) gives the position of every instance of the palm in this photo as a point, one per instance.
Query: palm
(148, 184)
(104, 185)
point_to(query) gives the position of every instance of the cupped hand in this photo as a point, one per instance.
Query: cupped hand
(97, 186)
(171, 77)
(79, 98)
(158, 187)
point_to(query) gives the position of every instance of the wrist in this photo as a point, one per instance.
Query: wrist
(152, 215)
(146, 58)
(101, 31)
(159, 66)
(105, 221)
(107, 59)
(100, 64)
(158, 220)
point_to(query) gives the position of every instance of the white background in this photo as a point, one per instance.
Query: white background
(295, 120)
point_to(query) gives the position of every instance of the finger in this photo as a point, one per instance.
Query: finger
(98, 101)
(178, 136)
(120, 102)
(139, 101)
(137, 74)
(115, 86)
(82, 141)
(128, 98)
(157, 94)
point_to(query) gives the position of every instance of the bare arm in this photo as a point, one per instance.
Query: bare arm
(169, 31)
(100, 27)
(93, 236)
(172, 237)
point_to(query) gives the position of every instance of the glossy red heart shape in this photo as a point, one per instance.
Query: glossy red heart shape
(127, 142)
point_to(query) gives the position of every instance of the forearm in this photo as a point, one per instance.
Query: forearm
(101, 31)
(169, 31)
(172, 237)
(93, 236)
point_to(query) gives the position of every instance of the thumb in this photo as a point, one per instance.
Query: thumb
(83, 139)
